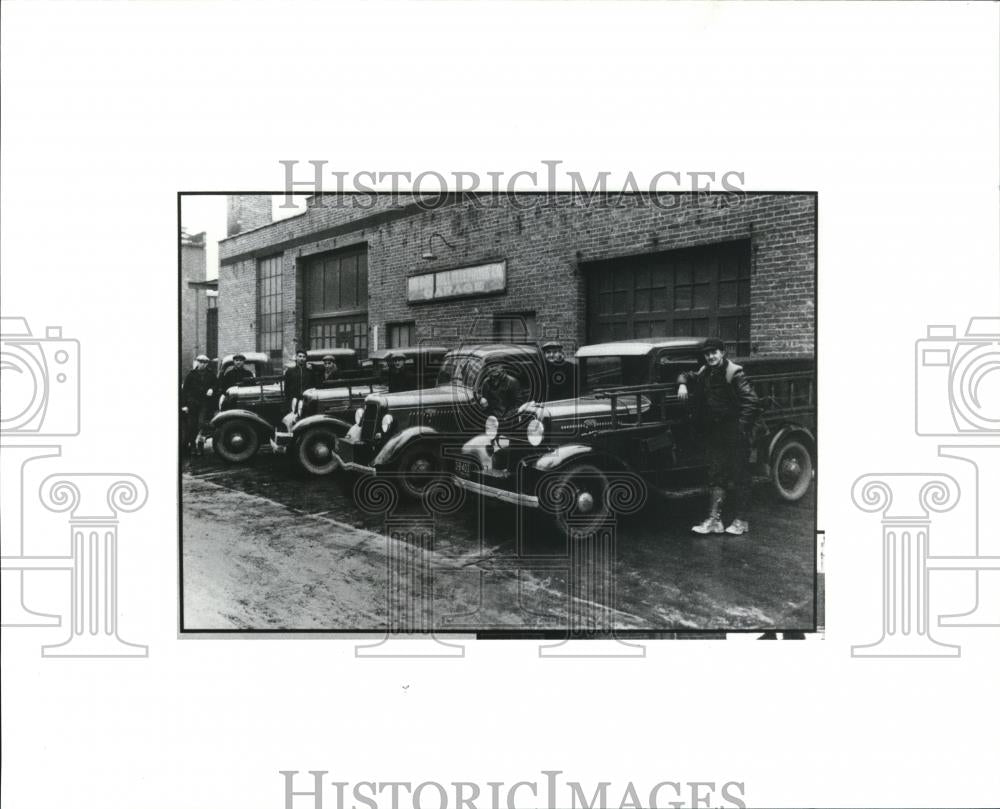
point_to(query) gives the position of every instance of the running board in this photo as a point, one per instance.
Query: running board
(681, 494)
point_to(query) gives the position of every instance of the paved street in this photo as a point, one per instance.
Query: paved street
(265, 547)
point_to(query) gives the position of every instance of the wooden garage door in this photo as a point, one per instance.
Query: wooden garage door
(702, 292)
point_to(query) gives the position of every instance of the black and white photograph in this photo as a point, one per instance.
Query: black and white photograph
(439, 405)
(572, 414)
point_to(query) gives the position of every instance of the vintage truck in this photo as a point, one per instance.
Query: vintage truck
(627, 424)
(249, 413)
(309, 433)
(404, 436)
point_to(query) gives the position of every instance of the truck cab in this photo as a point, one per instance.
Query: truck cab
(628, 424)
(309, 433)
(406, 435)
(250, 413)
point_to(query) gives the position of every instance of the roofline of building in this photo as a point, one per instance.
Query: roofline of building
(273, 222)
(373, 220)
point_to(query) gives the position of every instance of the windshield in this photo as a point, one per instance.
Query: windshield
(373, 367)
(611, 372)
(460, 369)
(229, 366)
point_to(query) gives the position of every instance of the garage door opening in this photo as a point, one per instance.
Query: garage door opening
(699, 291)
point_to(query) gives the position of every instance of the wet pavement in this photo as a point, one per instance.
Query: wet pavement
(267, 547)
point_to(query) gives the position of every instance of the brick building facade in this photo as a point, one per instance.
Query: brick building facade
(383, 271)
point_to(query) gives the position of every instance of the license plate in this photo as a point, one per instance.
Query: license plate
(463, 469)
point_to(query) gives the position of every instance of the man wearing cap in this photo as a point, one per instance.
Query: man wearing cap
(297, 379)
(500, 391)
(728, 408)
(235, 373)
(397, 376)
(559, 372)
(197, 403)
(330, 372)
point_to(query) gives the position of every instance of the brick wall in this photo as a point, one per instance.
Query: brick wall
(237, 307)
(246, 212)
(192, 315)
(544, 246)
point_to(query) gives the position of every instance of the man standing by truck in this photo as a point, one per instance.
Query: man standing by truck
(728, 408)
(235, 374)
(197, 404)
(296, 379)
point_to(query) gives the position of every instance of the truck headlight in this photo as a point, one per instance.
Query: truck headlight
(386, 422)
(536, 432)
(358, 415)
(492, 427)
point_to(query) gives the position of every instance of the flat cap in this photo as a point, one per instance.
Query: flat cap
(712, 344)
(201, 358)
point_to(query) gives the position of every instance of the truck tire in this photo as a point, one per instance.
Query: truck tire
(585, 488)
(792, 469)
(236, 441)
(418, 466)
(315, 451)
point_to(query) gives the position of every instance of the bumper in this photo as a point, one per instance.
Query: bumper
(281, 442)
(495, 492)
(283, 439)
(355, 456)
(473, 471)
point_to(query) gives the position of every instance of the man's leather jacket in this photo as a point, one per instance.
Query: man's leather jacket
(724, 393)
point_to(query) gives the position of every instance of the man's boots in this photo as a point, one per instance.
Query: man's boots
(713, 523)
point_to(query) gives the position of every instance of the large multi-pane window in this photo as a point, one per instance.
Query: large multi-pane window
(698, 292)
(336, 300)
(339, 332)
(269, 326)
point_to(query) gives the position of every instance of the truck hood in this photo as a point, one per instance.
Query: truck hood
(332, 394)
(429, 397)
(242, 392)
(586, 406)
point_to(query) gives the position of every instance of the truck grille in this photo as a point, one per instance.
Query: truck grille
(369, 421)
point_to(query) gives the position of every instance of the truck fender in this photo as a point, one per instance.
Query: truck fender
(339, 426)
(260, 424)
(786, 432)
(394, 447)
(571, 453)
